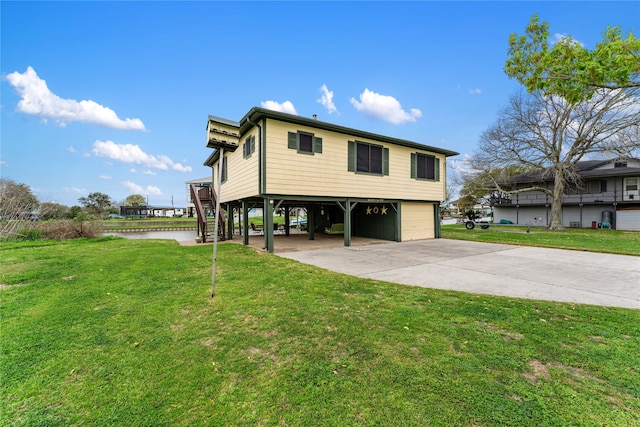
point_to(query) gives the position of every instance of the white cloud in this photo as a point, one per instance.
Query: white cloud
(130, 153)
(71, 149)
(133, 170)
(150, 190)
(384, 107)
(149, 172)
(327, 99)
(476, 91)
(180, 168)
(37, 100)
(559, 38)
(105, 177)
(285, 107)
(76, 190)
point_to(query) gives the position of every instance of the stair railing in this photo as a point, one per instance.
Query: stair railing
(202, 216)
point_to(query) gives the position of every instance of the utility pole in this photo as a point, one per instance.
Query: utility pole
(217, 218)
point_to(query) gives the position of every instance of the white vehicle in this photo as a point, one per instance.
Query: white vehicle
(482, 222)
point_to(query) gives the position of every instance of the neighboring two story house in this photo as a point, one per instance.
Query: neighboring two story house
(357, 182)
(608, 195)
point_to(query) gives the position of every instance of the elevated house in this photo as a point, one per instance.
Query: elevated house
(607, 195)
(350, 182)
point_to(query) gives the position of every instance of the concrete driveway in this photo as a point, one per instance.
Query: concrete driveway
(487, 268)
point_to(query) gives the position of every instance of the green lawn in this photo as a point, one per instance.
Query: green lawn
(116, 332)
(583, 239)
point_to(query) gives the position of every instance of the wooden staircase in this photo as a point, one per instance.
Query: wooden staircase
(204, 199)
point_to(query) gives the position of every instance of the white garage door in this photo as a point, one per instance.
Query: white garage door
(628, 220)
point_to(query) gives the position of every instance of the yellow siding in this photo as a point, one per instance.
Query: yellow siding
(326, 174)
(417, 221)
(242, 174)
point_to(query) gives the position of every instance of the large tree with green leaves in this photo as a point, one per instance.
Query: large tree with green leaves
(96, 203)
(568, 69)
(135, 200)
(51, 210)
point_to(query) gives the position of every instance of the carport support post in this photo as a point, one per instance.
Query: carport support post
(286, 221)
(311, 221)
(436, 220)
(347, 223)
(245, 223)
(268, 224)
(230, 221)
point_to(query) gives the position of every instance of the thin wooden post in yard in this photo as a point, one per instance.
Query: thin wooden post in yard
(215, 227)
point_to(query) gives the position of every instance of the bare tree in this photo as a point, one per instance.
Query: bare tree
(17, 204)
(548, 135)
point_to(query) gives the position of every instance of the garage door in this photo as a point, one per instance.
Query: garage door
(628, 220)
(417, 221)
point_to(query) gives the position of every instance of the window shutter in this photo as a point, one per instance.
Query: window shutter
(317, 145)
(253, 144)
(414, 163)
(244, 150)
(385, 161)
(293, 140)
(603, 186)
(436, 168)
(352, 157)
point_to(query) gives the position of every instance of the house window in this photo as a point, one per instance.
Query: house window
(425, 167)
(574, 188)
(249, 146)
(597, 187)
(304, 142)
(368, 158)
(224, 169)
(631, 189)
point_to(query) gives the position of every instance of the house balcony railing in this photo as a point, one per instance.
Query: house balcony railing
(538, 198)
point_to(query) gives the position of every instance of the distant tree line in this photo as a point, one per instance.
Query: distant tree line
(20, 211)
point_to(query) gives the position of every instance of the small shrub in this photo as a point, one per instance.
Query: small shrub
(28, 234)
(70, 229)
(56, 230)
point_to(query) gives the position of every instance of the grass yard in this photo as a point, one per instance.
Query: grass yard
(116, 332)
(583, 239)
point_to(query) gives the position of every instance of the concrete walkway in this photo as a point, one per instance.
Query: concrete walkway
(486, 268)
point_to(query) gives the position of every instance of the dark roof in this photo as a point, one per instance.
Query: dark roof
(257, 113)
(586, 169)
(224, 121)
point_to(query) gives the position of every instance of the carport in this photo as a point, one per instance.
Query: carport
(367, 219)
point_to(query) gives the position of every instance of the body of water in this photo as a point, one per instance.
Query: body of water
(179, 235)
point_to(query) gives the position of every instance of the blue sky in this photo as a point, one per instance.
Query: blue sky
(113, 97)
